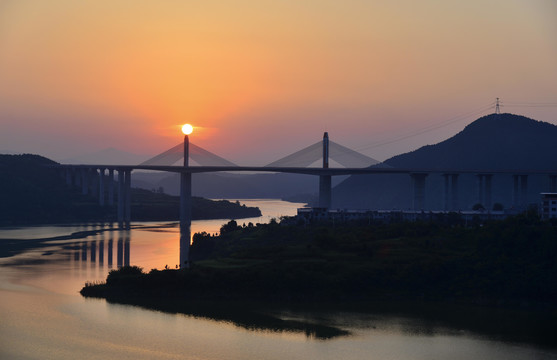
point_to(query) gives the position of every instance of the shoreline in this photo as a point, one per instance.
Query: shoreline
(508, 322)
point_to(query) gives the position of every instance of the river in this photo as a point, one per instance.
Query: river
(42, 315)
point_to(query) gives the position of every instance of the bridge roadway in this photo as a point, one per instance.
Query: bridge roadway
(307, 170)
(83, 175)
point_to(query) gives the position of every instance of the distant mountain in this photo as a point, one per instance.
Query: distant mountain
(110, 156)
(496, 142)
(294, 187)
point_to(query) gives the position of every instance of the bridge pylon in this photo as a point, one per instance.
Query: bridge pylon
(325, 184)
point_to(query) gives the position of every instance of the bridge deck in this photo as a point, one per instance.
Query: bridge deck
(308, 171)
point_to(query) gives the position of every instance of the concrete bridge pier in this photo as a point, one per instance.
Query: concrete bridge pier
(325, 187)
(485, 190)
(94, 178)
(451, 192)
(69, 178)
(120, 209)
(111, 187)
(418, 182)
(101, 187)
(128, 203)
(77, 176)
(124, 198)
(84, 181)
(553, 183)
(520, 191)
(325, 191)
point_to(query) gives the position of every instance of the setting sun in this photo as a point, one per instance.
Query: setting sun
(187, 129)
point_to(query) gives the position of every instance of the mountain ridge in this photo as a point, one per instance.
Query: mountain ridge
(494, 142)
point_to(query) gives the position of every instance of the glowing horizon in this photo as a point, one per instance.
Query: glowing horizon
(83, 76)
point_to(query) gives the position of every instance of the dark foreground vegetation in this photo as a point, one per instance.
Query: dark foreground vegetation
(31, 192)
(510, 262)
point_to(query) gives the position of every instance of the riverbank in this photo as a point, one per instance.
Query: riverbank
(511, 262)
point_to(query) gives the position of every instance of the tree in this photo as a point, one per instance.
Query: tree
(232, 225)
(478, 207)
(498, 207)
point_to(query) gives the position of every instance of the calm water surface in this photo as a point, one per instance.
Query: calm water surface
(42, 315)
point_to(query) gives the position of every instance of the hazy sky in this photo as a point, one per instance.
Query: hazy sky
(260, 79)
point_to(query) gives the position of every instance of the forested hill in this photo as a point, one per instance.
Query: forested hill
(496, 141)
(493, 142)
(33, 193)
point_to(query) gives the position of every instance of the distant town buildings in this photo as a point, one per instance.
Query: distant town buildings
(343, 215)
(548, 208)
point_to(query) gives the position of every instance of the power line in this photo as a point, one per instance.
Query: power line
(432, 127)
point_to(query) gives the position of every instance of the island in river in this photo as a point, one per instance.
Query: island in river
(437, 269)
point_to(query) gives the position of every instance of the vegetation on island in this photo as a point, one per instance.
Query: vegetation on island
(512, 261)
(31, 192)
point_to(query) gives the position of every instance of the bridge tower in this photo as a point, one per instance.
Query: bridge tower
(325, 188)
(185, 207)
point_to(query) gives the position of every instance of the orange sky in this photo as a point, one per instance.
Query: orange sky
(80, 76)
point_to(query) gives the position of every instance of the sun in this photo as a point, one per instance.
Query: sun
(187, 129)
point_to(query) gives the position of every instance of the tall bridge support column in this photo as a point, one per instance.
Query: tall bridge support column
(128, 207)
(121, 197)
(552, 183)
(69, 179)
(516, 199)
(77, 177)
(185, 209)
(454, 188)
(185, 219)
(524, 191)
(101, 187)
(94, 179)
(488, 191)
(451, 192)
(520, 191)
(111, 187)
(84, 181)
(480, 189)
(325, 187)
(485, 190)
(418, 182)
(325, 191)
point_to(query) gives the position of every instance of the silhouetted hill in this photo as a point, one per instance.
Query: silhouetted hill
(30, 192)
(503, 141)
(33, 193)
(493, 142)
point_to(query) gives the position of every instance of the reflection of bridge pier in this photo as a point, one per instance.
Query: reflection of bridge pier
(93, 251)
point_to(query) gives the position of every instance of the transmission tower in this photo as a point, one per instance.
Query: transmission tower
(497, 109)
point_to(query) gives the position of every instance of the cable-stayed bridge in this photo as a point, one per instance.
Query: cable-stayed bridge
(312, 160)
(300, 162)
